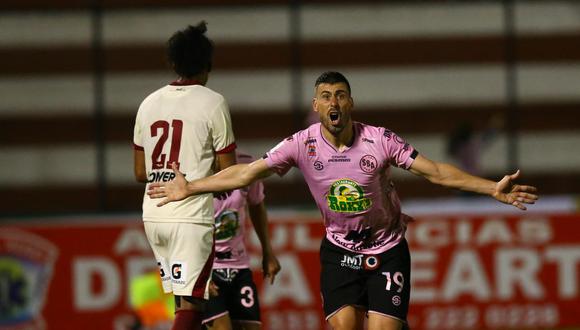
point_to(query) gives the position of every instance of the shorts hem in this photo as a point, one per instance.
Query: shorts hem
(387, 315)
(209, 319)
(189, 294)
(343, 306)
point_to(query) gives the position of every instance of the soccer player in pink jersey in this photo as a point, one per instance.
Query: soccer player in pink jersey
(364, 256)
(188, 125)
(236, 305)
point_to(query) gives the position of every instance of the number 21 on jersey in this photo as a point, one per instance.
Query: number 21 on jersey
(161, 128)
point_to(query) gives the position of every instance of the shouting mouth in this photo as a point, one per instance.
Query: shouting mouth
(334, 117)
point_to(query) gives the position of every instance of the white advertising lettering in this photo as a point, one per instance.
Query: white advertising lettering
(110, 274)
(87, 269)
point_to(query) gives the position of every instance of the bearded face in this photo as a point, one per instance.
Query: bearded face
(334, 105)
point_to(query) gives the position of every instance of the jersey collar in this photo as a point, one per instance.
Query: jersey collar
(185, 82)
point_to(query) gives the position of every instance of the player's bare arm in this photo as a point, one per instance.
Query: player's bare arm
(505, 190)
(139, 168)
(233, 177)
(270, 264)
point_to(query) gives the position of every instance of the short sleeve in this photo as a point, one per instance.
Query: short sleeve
(399, 152)
(221, 124)
(283, 156)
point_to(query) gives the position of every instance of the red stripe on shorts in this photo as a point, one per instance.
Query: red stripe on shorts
(199, 287)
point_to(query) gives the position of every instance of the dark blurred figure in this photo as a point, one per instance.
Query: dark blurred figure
(467, 142)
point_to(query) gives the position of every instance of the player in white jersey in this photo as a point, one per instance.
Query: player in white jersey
(187, 124)
(236, 306)
(365, 259)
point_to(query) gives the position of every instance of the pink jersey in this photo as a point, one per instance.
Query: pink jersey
(230, 215)
(359, 205)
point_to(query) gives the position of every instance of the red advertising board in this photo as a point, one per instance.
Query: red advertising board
(471, 271)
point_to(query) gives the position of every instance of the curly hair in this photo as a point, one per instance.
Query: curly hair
(190, 51)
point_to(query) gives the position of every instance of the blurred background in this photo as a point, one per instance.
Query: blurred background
(491, 86)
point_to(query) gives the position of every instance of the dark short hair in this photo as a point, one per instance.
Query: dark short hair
(332, 77)
(190, 51)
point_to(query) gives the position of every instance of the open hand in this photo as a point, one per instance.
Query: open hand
(514, 194)
(174, 190)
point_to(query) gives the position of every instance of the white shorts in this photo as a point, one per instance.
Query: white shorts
(184, 253)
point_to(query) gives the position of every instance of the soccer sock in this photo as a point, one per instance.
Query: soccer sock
(187, 320)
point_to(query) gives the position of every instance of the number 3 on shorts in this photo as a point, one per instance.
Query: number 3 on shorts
(247, 297)
(397, 278)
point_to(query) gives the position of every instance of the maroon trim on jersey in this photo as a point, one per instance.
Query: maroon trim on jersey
(138, 147)
(227, 149)
(185, 82)
(199, 286)
(355, 134)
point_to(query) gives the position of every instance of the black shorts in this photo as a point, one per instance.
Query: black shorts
(376, 283)
(237, 296)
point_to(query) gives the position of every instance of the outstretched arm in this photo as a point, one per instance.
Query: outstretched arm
(270, 264)
(233, 177)
(505, 190)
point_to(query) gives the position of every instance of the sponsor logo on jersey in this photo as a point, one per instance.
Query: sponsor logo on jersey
(163, 267)
(358, 245)
(318, 165)
(178, 273)
(311, 143)
(346, 196)
(312, 150)
(161, 176)
(339, 159)
(354, 262)
(368, 140)
(371, 263)
(226, 224)
(388, 134)
(360, 261)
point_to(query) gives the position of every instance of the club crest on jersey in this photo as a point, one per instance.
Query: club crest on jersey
(368, 163)
(346, 196)
(226, 225)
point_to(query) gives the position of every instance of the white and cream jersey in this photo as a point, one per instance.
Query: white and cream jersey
(185, 123)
